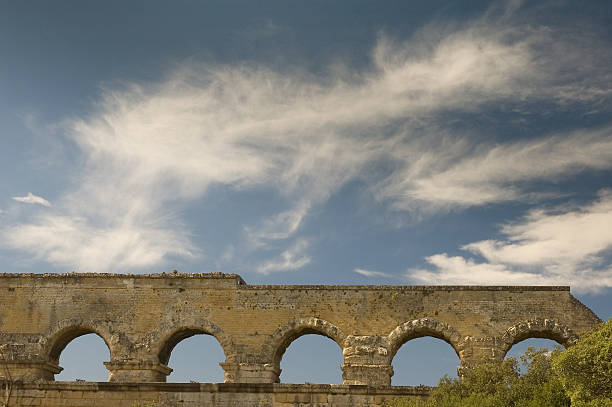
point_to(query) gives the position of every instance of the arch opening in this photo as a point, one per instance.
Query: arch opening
(538, 337)
(294, 329)
(519, 348)
(310, 357)
(424, 359)
(196, 358)
(294, 334)
(81, 353)
(421, 334)
(64, 337)
(421, 328)
(194, 355)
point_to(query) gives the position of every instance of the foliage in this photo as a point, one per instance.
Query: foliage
(582, 373)
(585, 369)
(499, 384)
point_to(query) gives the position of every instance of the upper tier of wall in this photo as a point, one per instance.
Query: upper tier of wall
(142, 317)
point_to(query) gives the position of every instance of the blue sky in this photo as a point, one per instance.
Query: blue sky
(317, 142)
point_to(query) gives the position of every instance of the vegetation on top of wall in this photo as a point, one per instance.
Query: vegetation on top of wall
(580, 376)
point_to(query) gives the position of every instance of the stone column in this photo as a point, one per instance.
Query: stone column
(372, 375)
(23, 362)
(480, 350)
(29, 370)
(136, 371)
(366, 361)
(250, 372)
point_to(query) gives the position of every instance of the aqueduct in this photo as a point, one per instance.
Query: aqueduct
(142, 317)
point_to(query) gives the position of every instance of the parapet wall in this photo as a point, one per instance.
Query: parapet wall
(56, 394)
(142, 317)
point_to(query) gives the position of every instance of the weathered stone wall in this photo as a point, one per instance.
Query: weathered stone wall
(56, 394)
(142, 317)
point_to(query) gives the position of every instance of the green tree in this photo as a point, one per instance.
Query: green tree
(585, 369)
(540, 386)
(499, 384)
(582, 373)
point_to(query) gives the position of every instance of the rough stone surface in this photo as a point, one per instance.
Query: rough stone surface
(142, 317)
(54, 394)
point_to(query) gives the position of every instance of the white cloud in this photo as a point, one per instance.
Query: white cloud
(32, 199)
(371, 273)
(75, 243)
(228, 255)
(459, 270)
(280, 226)
(463, 174)
(547, 247)
(545, 237)
(291, 259)
(150, 148)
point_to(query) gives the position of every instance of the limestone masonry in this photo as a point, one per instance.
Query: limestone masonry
(142, 317)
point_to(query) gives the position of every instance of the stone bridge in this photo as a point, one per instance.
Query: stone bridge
(142, 318)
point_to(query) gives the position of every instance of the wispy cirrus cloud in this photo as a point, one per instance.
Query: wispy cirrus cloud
(32, 199)
(147, 148)
(281, 226)
(295, 257)
(563, 246)
(467, 173)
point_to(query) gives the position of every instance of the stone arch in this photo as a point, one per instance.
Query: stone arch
(280, 340)
(170, 335)
(423, 327)
(62, 333)
(537, 328)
